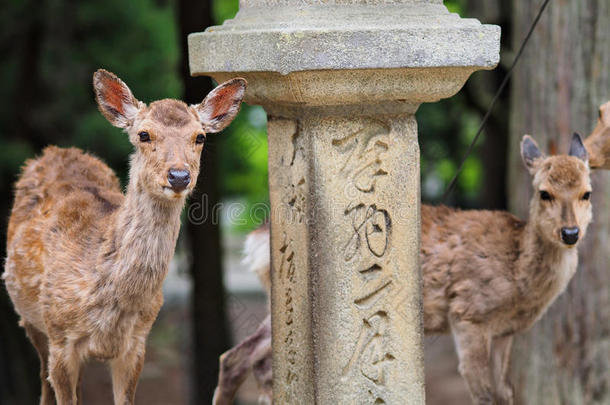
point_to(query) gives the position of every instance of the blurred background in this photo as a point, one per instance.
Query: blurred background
(50, 50)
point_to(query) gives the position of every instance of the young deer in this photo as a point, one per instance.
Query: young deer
(86, 263)
(487, 274)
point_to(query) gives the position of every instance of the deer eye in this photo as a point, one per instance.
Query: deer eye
(200, 139)
(586, 196)
(545, 196)
(144, 136)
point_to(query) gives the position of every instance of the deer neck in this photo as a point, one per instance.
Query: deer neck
(141, 244)
(545, 267)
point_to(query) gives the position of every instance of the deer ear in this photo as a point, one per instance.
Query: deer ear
(221, 105)
(530, 153)
(114, 99)
(577, 148)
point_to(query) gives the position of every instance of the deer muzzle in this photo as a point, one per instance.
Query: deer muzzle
(569, 235)
(178, 179)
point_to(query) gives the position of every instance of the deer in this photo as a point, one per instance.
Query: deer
(86, 263)
(253, 354)
(487, 275)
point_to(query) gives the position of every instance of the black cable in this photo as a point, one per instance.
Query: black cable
(493, 102)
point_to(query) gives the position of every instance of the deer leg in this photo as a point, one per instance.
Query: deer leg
(234, 366)
(472, 345)
(501, 350)
(262, 364)
(235, 363)
(64, 373)
(264, 376)
(41, 344)
(79, 389)
(125, 374)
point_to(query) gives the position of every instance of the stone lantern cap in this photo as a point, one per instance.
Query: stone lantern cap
(283, 37)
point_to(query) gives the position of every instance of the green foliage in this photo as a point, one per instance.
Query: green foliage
(12, 155)
(471, 177)
(224, 9)
(60, 44)
(446, 129)
(243, 164)
(243, 152)
(456, 6)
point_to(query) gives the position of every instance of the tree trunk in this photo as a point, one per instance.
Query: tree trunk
(479, 92)
(19, 365)
(557, 88)
(210, 330)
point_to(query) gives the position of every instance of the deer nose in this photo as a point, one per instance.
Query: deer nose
(178, 179)
(569, 235)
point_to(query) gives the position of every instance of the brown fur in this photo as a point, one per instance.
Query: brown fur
(86, 263)
(598, 143)
(487, 274)
(171, 113)
(253, 354)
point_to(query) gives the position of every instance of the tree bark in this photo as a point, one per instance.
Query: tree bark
(19, 365)
(479, 92)
(558, 86)
(210, 330)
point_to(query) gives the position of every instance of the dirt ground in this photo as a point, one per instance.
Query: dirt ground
(165, 378)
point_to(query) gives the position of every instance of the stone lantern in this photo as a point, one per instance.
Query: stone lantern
(340, 81)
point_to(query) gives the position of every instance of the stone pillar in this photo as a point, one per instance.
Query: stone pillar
(341, 81)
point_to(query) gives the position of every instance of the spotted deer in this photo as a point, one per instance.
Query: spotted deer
(86, 262)
(487, 274)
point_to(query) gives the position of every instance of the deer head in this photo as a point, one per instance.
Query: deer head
(168, 135)
(561, 206)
